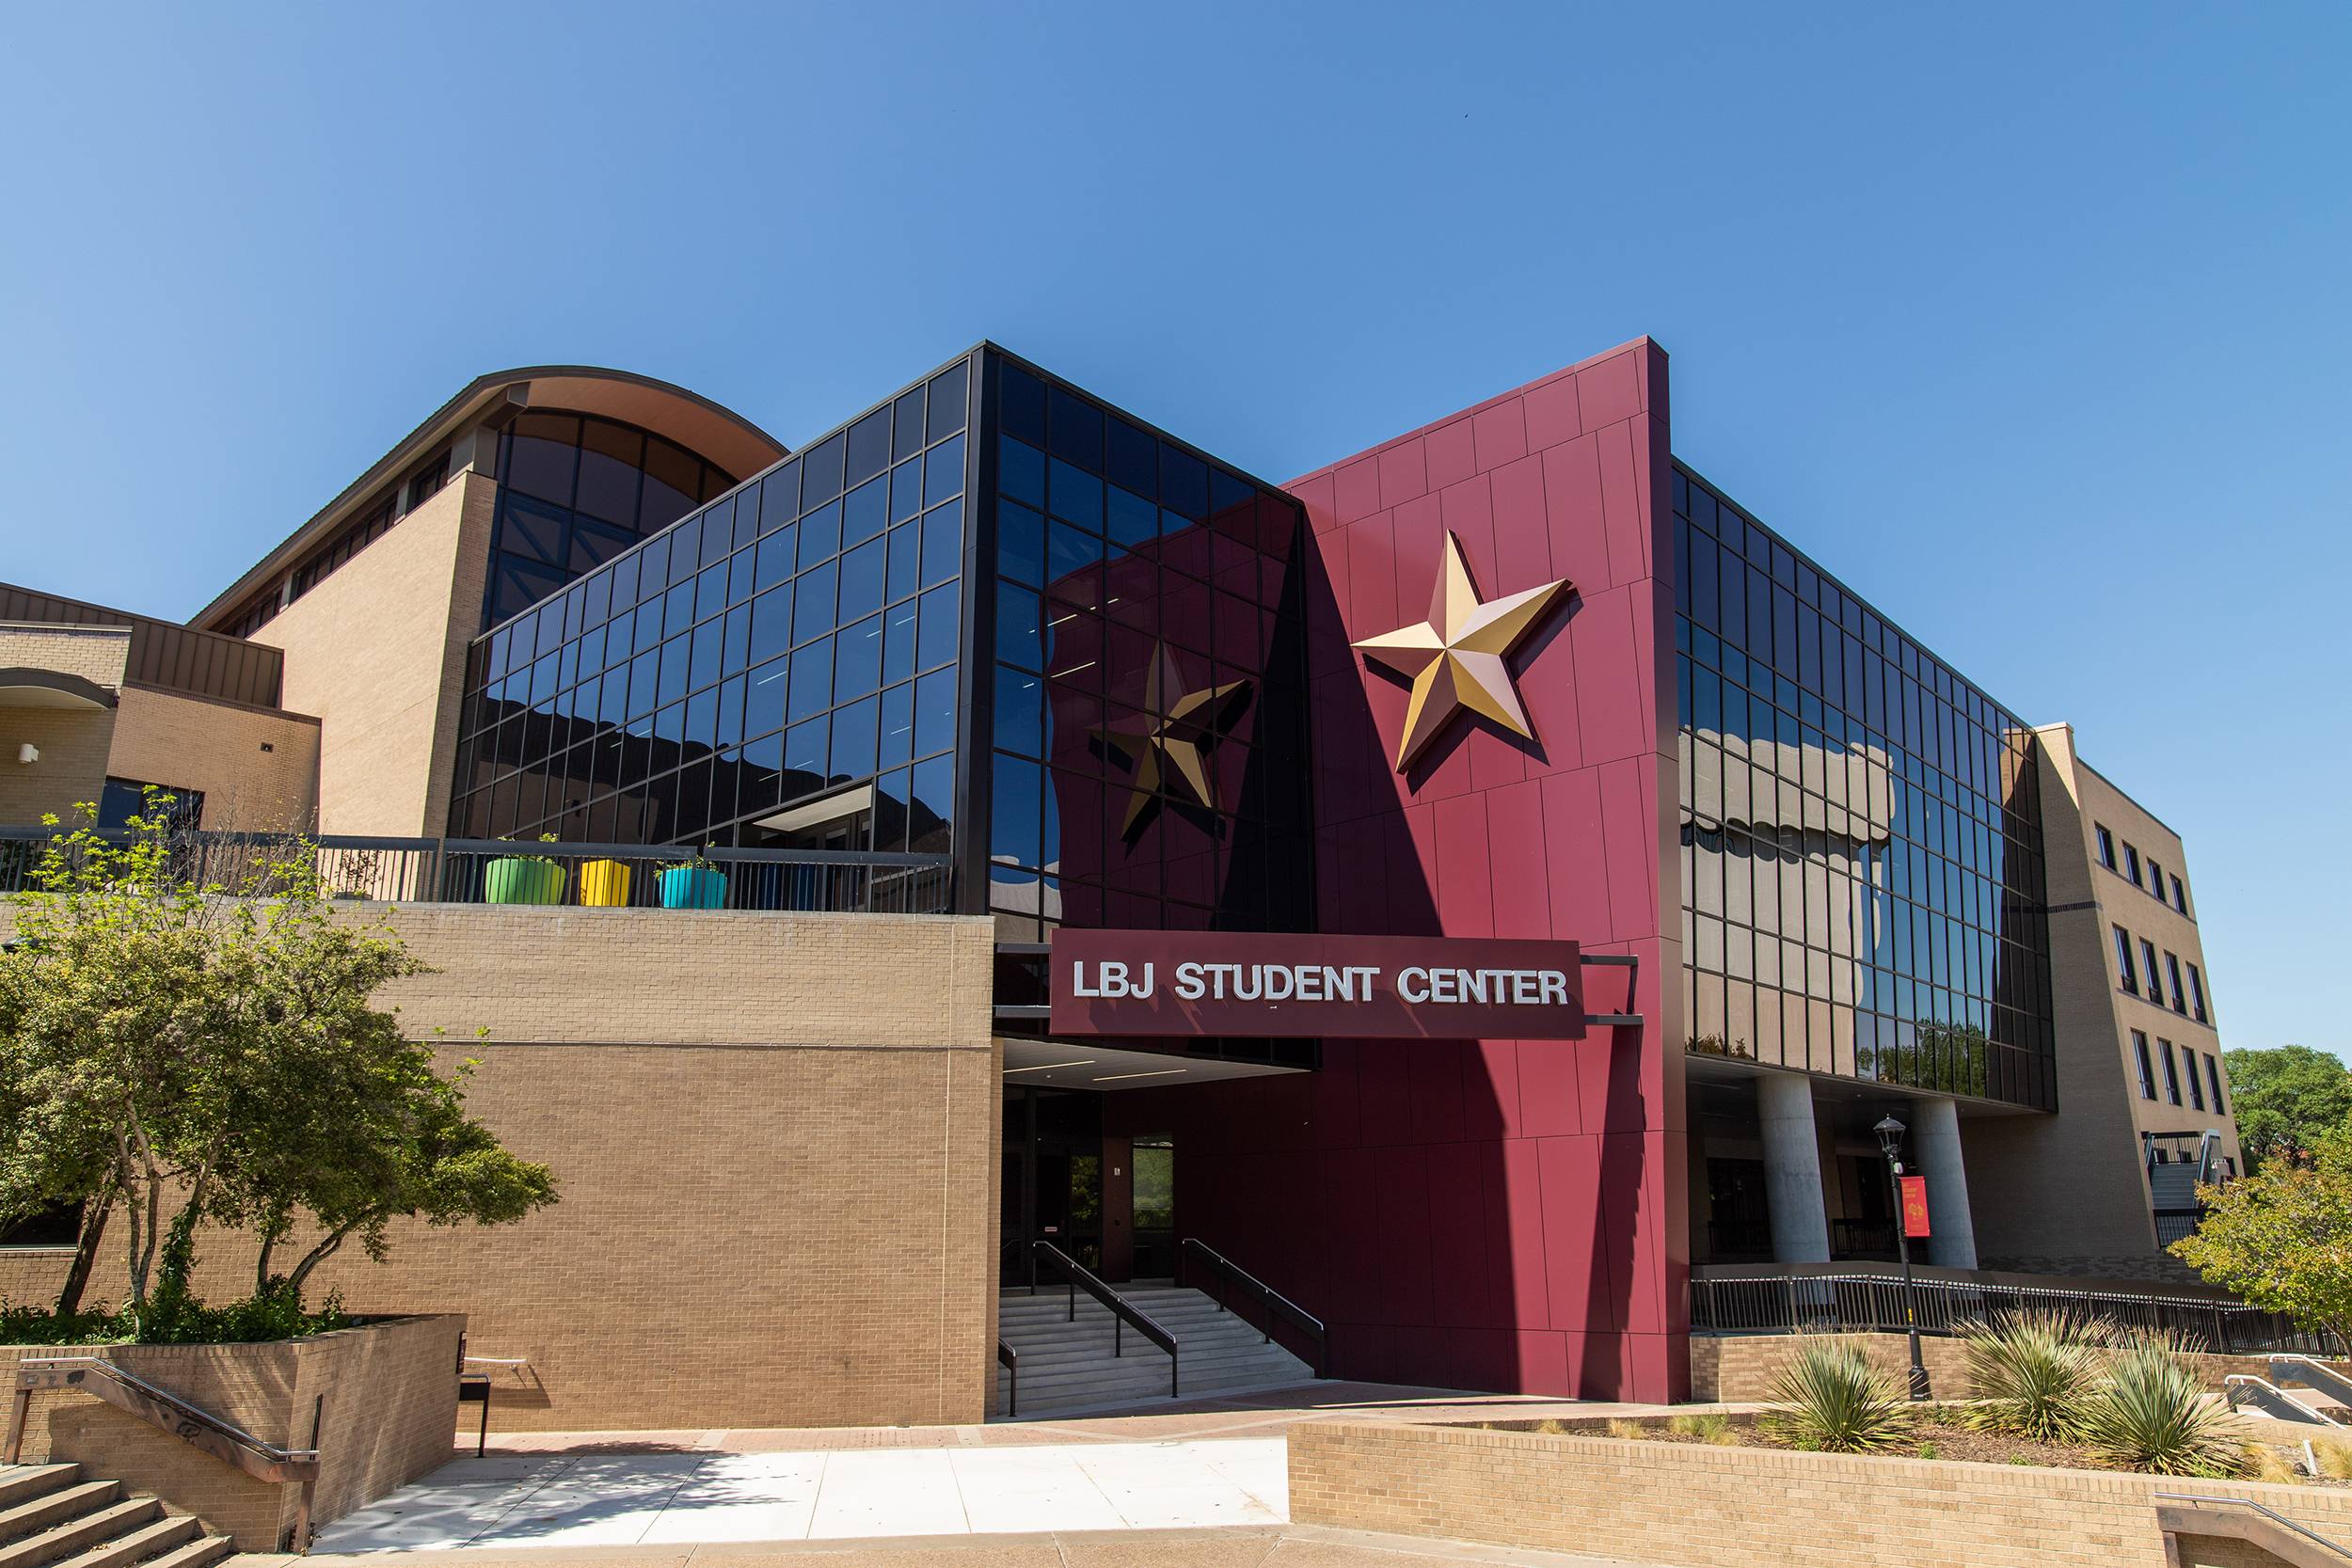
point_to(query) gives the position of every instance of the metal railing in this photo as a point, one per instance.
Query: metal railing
(1270, 1301)
(1123, 1312)
(458, 871)
(2187, 1521)
(167, 1412)
(1009, 1360)
(1780, 1303)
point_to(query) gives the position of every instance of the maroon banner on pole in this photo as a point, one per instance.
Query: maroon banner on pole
(1255, 983)
(1915, 1206)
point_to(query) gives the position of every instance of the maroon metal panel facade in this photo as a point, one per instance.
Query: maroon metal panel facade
(1490, 1213)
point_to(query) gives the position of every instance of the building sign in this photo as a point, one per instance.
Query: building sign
(1257, 983)
(1915, 1206)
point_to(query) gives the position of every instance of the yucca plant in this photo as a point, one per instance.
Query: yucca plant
(1829, 1397)
(2151, 1412)
(2032, 1373)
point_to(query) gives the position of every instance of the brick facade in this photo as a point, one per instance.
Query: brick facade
(378, 651)
(384, 1398)
(1751, 1508)
(775, 1138)
(200, 743)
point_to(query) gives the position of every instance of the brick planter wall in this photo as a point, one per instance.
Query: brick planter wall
(1750, 1508)
(1738, 1369)
(384, 1396)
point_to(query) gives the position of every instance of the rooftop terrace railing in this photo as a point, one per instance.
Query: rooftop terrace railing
(1858, 1303)
(462, 871)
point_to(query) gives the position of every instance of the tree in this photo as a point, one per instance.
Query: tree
(2281, 1238)
(184, 1037)
(2288, 1099)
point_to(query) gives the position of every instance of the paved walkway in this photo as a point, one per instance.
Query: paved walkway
(1242, 1546)
(665, 1498)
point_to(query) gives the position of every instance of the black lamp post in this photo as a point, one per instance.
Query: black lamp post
(1890, 1133)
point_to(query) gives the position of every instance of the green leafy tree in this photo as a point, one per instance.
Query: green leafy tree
(184, 1039)
(2288, 1099)
(2281, 1238)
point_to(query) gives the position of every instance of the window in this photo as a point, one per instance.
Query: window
(2155, 877)
(2180, 896)
(2147, 1068)
(2129, 978)
(56, 1224)
(2212, 1083)
(2197, 995)
(2171, 1072)
(2196, 1089)
(124, 799)
(2151, 974)
(2106, 846)
(2131, 865)
(428, 479)
(2172, 974)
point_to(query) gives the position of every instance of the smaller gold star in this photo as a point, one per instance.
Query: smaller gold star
(1169, 746)
(1456, 657)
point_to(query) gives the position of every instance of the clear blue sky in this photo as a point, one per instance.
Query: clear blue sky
(2031, 322)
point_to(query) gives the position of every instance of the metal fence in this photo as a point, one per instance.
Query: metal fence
(1874, 1303)
(458, 871)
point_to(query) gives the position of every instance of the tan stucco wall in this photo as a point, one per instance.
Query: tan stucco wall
(776, 1138)
(199, 743)
(377, 651)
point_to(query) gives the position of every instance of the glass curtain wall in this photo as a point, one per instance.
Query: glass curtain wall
(1861, 834)
(575, 491)
(1144, 707)
(795, 638)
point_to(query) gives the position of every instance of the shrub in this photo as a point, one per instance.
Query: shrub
(1830, 1399)
(1619, 1427)
(1708, 1429)
(2032, 1373)
(2151, 1412)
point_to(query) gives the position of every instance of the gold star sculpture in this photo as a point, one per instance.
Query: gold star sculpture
(1169, 745)
(1457, 658)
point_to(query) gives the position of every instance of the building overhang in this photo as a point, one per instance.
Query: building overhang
(23, 687)
(709, 430)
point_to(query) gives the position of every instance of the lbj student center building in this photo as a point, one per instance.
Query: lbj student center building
(1482, 890)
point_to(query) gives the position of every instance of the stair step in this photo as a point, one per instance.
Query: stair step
(23, 1482)
(78, 1533)
(51, 1507)
(202, 1552)
(137, 1546)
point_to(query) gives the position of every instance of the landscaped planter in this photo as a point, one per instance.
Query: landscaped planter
(604, 885)
(383, 1397)
(694, 887)
(522, 879)
(1660, 1501)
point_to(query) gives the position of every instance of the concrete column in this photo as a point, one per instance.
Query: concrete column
(1792, 1169)
(1935, 1154)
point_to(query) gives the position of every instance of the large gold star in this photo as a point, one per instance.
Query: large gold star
(1169, 745)
(1456, 657)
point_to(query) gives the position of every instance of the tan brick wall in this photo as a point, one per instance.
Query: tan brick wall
(199, 743)
(1748, 1508)
(74, 743)
(383, 1397)
(97, 654)
(777, 1143)
(377, 651)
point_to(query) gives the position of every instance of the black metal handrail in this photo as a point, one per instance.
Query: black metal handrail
(1271, 1299)
(1123, 1312)
(2216, 1501)
(456, 870)
(1009, 1360)
(1791, 1303)
(167, 1412)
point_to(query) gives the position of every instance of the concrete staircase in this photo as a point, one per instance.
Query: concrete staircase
(51, 1517)
(1068, 1367)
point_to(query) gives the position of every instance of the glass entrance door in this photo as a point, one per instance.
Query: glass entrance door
(1053, 1179)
